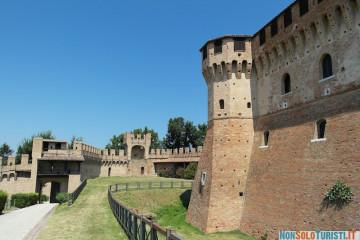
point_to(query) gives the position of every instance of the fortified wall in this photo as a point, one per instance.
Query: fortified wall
(138, 159)
(55, 167)
(302, 81)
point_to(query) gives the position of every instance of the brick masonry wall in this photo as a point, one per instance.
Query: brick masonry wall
(288, 180)
(225, 159)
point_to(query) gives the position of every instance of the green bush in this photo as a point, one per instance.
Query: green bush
(190, 171)
(264, 237)
(62, 197)
(3, 198)
(21, 200)
(168, 173)
(339, 194)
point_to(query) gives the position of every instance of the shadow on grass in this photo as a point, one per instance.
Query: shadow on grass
(185, 198)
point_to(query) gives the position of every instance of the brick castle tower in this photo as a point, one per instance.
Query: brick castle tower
(219, 188)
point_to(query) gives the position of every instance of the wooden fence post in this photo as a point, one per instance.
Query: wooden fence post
(142, 229)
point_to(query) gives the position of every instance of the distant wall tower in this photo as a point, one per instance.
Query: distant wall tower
(219, 193)
(137, 146)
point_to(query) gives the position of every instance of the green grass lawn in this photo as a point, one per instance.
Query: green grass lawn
(90, 217)
(169, 211)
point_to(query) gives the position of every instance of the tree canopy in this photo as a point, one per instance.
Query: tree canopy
(183, 133)
(73, 139)
(180, 134)
(26, 145)
(116, 142)
(5, 151)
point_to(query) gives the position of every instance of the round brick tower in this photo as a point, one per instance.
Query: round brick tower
(219, 187)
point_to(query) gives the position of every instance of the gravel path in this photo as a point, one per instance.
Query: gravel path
(24, 223)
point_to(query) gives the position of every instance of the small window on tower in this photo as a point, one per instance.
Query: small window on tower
(218, 46)
(320, 128)
(221, 104)
(286, 84)
(287, 17)
(266, 138)
(239, 44)
(326, 64)
(249, 105)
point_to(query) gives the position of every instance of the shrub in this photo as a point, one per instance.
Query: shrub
(166, 173)
(264, 237)
(62, 197)
(190, 170)
(339, 194)
(21, 200)
(3, 198)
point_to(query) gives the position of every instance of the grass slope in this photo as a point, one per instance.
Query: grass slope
(168, 210)
(90, 217)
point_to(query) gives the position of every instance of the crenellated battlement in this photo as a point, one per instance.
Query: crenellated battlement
(180, 152)
(227, 57)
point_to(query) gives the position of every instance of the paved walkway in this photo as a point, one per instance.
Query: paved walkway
(24, 223)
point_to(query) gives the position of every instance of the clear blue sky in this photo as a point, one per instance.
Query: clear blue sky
(95, 68)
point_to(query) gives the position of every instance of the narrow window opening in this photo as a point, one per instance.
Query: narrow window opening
(218, 46)
(327, 66)
(249, 105)
(142, 170)
(286, 84)
(266, 138)
(287, 17)
(221, 104)
(304, 6)
(239, 44)
(274, 28)
(262, 36)
(320, 128)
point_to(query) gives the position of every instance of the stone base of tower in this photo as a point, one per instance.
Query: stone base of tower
(218, 205)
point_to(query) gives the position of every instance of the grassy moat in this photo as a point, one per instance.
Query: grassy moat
(90, 217)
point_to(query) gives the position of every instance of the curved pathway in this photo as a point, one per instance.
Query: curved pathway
(24, 223)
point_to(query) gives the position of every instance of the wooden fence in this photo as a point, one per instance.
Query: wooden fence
(139, 227)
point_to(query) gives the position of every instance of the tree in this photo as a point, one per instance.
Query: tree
(175, 133)
(182, 133)
(200, 135)
(73, 139)
(26, 145)
(116, 142)
(5, 151)
(190, 170)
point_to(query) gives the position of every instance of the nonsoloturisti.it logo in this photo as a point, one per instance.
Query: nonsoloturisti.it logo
(319, 235)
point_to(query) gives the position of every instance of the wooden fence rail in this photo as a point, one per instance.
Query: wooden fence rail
(74, 195)
(139, 227)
